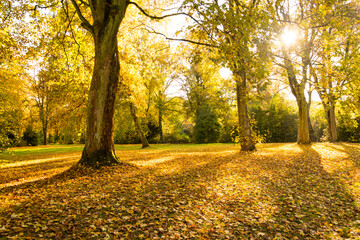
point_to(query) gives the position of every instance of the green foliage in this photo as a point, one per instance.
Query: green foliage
(276, 121)
(30, 137)
(348, 129)
(207, 127)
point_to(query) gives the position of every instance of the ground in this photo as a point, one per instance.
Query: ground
(281, 191)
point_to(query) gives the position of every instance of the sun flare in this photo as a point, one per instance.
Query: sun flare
(289, 37)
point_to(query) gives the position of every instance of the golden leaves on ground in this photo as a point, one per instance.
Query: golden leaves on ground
(281, 191)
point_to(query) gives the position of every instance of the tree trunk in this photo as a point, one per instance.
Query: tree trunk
(45, 134)
(99, 142)
(311, 129)
(330, 117)
(160, 126)
(43, 111)
(142, 137)
(246, 141)
(298, 91)
(161, 107)
(303, 129)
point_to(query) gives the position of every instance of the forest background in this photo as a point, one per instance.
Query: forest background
(291, 66)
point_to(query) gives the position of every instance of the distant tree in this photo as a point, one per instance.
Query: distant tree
(30, 137)
(139, 130)
(207, 127)
(275, 121)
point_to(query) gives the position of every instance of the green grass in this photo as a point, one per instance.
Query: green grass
(24, 152)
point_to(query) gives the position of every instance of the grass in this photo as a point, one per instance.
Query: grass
(281, 191)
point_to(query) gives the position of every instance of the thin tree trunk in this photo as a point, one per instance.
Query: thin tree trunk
(331, 120)
(311, 129)
(160, 126)
(246, 141)
(142, 137)
(43, 118)
(45, 134)
(161, 106)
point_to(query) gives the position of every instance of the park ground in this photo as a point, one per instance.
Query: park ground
(280, 191)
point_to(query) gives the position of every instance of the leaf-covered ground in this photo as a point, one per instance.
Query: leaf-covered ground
(281, 191)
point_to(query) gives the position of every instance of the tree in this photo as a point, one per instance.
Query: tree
(207, 127)
(140, 132)
(106, 19)
(296, 62)
(335, 48)
(12, 74)
(238, 32)
(275, 119)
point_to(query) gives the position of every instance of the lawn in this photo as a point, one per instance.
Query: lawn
(281, 191)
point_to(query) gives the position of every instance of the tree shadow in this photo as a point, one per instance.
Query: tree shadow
(352, 150)
(310, 202)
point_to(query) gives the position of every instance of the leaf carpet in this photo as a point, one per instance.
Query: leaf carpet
(281, 191)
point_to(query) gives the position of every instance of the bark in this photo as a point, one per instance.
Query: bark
(141, 134)
(328, 105)
(246, 141)
(43, 114)
(311, 129)
(160, 126)
(161, 107)
(303, 129)
(99, 141)
(298, 91)
(331, 120)
(330, 117)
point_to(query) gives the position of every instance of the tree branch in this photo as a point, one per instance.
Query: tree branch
(85, 23)
(152, 16)
(181, 39)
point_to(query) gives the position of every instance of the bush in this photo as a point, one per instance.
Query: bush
(276, 122)
(30, 137)
(349, 129)
(207, 127)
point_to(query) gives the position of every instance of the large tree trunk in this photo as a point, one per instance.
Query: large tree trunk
(99, 141)
(297, 90)
(246, 141)
(141, 134)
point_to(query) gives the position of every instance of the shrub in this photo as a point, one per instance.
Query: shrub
(30, 137)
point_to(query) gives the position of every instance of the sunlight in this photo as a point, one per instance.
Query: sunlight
(289, 36)
(153, 162)
(225, 73)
